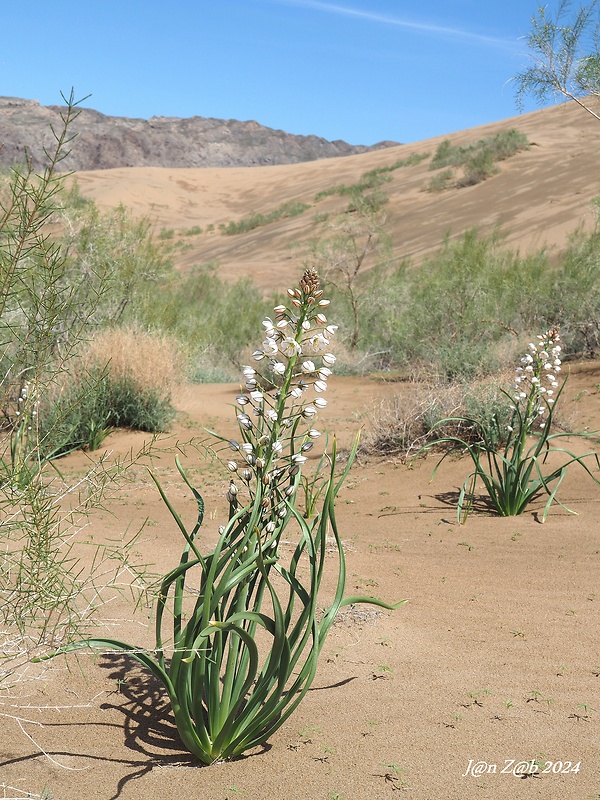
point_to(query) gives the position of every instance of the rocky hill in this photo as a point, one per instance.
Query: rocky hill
(105, 142)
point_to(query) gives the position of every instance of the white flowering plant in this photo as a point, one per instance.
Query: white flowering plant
(247, 633)
(512, 461)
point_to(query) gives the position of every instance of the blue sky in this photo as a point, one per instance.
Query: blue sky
(358, 70)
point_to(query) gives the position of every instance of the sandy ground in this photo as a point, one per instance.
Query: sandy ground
(493, 662)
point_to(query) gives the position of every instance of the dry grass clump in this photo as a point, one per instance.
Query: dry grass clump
(148, 360)
(403, 425)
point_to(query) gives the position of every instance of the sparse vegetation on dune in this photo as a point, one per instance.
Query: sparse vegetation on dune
(478, 160)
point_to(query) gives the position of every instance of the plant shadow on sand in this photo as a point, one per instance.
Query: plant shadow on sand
(480, 503)
(148, 724)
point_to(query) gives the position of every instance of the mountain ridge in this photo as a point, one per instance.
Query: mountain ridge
(109, 142)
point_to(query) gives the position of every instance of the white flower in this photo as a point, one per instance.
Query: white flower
(279, 310)
(244, 420)
(283, 323)
(277, 447)
(320, 386)
(317, 343)
(290, 347)
(298, 459)
(320, 402)
(271, 415)
(278, 367)
(241, 400)
(247, 447)
(308, 366)
(269, 347)
(309, 412)
(256, 396)
(324, 373)
(331, 329)
(329, 359)
(313, 434)
(258, 355)
(305, 325)
(248, 372)
(296, 393)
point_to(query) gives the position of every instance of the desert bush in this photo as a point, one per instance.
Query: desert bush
(349, 244)
(113, 250)
(257, 219)
(478, 167)
(443, 180)
(498, 147)
(372, 179)
(576, 297)
(46, 595)
(126, 378)
(423, 411)
(210, 318)
(477, 159)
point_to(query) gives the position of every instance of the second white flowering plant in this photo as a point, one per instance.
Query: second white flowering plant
(247, 620)
(512, 461)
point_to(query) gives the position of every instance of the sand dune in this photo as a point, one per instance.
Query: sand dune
(539, 197)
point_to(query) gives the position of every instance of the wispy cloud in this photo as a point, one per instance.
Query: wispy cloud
(420, 27)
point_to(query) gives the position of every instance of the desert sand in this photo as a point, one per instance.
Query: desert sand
(492, 665)
(493, 661)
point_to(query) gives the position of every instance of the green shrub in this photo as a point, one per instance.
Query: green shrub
(443, 180)
(479, 158)
(256, 220)
(477, 168)
(47, 593)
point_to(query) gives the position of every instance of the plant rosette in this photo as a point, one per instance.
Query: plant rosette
(512, 461)
(245, 638)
